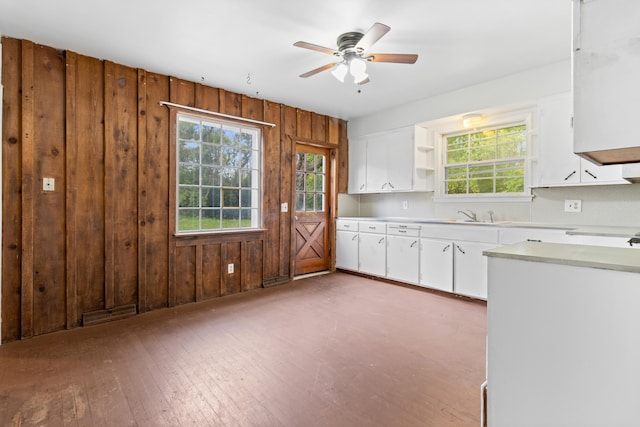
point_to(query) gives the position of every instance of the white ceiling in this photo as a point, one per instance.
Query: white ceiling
(246, 46)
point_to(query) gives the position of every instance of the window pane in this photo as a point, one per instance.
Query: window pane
(231, 156)
(245, 218)
(481, 185)
(319, 167)
(210, 176)
(300, 201)
(210, 197)
(189, 152)
(246, 140)
(230, 218)
(308, 204)
(230, 198)
(319, 202)
(210, 219)
(211, 133)
(189, 197)
(510, 185)
(457, 187)
(300, 181)
(300, 161)
(231, 136)
(245, 198)
(188, 219)
(482, 153)
(458, 156)
(309, 162)
(189, 130)
(230, 177)
(319, 183)
(246, 159)
(188, 174)
(310, 182)
(210, 154)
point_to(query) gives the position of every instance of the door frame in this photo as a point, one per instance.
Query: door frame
(332, 201)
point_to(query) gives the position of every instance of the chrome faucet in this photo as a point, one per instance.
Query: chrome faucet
(469, 214)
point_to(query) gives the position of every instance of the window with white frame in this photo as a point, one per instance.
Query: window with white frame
(489, 161)
(218, 175)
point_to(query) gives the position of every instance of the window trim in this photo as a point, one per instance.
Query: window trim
(175, 112)
(454, 125)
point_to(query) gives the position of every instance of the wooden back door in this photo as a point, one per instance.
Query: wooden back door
(312, 178)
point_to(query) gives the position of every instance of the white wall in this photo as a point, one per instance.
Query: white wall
(602, 205)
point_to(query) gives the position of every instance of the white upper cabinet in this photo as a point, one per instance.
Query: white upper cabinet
(558, 164)
(358, 166)
(606, 80)
(398, 160)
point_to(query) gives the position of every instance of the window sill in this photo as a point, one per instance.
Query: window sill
(187, 239)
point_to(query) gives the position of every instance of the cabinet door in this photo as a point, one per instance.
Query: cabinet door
(470, 269)
(559, 165)
(436, 264)
(347, 250)
(403, 258)
(372, 254)
(400, 160)
(357, 166)
(376, 164)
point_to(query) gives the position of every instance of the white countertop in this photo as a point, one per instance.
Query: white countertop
(585, 230)
(608, 258)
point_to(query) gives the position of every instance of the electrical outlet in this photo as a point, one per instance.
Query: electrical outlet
(48, 184)
(284, 207)
(573, 205)
(230, 268)
(405, 204)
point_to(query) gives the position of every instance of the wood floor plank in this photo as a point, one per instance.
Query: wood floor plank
(332, 350)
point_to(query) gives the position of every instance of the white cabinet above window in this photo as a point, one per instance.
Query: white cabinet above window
(398, 160)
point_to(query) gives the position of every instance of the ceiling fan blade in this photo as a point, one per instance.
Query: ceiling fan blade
(317, 70)
(365, 81)
(317, 48)
(374, 34)
(398, 58)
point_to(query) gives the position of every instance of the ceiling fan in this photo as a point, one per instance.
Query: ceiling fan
(353, 54)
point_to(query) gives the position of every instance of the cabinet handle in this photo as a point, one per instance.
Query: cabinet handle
(346, 226)
(534, 240)
(381, 240)
(362, 187)
(589, 173)
(570, 175)
(390, 185)
(372, 228)
(383, 185)
(460, 249)
(402, 231)
(402, 226)
(446, 248)
(354, 237)
(414, 243)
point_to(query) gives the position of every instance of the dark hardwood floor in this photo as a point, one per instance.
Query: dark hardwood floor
(332, 350)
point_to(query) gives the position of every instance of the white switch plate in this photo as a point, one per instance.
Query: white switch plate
(573, 205)
(230, 268)
(284, 207)
(48, 184)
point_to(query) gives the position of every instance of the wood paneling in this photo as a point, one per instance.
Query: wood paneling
(105, 237)
(11, 188)
(44, 79)
(84, 174)
(121, 180)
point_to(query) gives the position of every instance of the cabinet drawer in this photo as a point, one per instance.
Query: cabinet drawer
(397, 229)
(372, 227)
(469, 233)
(347, 225)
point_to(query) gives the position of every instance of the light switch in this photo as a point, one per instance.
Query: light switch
(284, 207)
(48, 184)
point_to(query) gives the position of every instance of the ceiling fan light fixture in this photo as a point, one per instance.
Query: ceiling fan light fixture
(340, 71)
(357, 67)
(472, 120)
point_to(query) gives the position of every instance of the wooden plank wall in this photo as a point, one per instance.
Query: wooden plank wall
(103, 238)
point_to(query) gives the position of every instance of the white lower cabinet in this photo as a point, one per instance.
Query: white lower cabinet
(436, 264)
(403, 252)
(372, 249)
(347, 250)
(470, 269)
